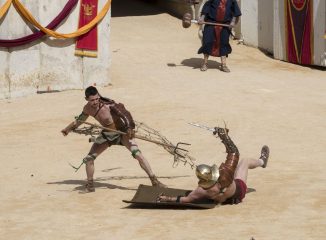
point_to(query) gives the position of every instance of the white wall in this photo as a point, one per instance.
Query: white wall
(279, 30)
(50, 62)
(257, 23)
(319, 29)
(265, 24)
(249, 22)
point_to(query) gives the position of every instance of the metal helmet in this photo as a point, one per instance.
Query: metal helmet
(207, 175)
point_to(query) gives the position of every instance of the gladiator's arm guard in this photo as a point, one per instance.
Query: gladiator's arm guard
(120, 111)
(227, 169)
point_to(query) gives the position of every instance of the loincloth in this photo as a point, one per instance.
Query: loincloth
(110, 137)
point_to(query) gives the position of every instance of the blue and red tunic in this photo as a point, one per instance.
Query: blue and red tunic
(216, 38)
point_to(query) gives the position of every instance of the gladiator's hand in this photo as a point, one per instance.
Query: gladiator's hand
(200, 21)
(220, 131)
(164, 198)
(64, 132)
(233, 23)
(131, 133)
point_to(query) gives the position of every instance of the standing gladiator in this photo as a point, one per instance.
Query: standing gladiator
(114, 116)
(226, 184)
(215, 40)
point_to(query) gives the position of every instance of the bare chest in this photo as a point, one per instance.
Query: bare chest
(102, 115)
(214, 193)
(216, 196)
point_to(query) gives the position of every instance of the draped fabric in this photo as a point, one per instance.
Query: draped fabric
(37, 35)
(4, 8)
(48, 30)
(28, 16)
(299, 31)
(220, 15)
(86, 44)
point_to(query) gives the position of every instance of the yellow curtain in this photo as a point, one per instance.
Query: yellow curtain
(5, 8)
(55, 34)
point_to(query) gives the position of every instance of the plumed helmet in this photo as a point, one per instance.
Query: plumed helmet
(207, 175)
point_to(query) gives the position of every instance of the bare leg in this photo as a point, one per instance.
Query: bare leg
(90, 169)
(242, 169)
(250, 163)
(204, 66)
(132, 146)
(95, 151)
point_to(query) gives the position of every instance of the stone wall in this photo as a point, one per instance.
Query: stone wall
(49, 64)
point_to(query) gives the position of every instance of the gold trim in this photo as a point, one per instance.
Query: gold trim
(88, 9)
(86, 53)
(303, 33)
(293, 34)
(286, 32)
(28, 16)
(4, 8)
(299, 54)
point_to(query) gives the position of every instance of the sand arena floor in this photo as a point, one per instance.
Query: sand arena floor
(155, 73)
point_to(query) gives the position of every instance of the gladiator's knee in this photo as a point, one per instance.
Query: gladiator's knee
(90, 157)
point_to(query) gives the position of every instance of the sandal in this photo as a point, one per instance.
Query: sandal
(204, 67)
(224, 68)
(264, 155)
(90, 186)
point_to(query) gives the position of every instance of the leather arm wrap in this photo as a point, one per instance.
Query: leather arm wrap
(227, 169)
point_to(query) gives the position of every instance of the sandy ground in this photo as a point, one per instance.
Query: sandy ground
(155, 72)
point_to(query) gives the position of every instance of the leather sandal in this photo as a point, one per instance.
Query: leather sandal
(90, 186)
(224, 68)
(264, 155)
(204, 67)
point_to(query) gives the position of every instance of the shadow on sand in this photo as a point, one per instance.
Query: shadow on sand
(196, 63)
(101, 182)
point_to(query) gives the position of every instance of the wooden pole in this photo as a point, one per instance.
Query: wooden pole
(215, 24)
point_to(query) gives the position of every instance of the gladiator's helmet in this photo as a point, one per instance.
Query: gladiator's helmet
(207, 175)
